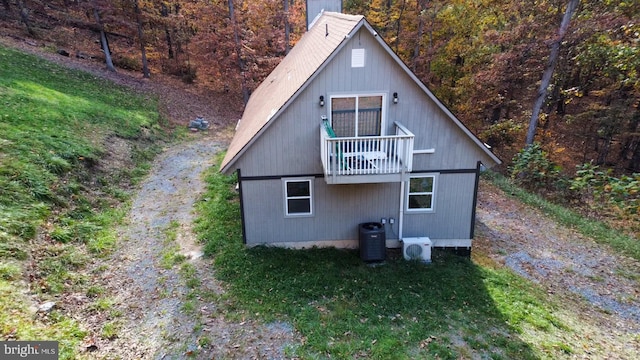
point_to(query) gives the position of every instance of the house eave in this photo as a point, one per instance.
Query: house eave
(228, 165)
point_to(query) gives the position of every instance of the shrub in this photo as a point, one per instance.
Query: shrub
(532, 168)
(128, 63)
(502, 133)
(185, 71)
(189, 75)
(607, 190)
(625, 193)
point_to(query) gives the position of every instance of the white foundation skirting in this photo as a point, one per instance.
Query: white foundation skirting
(353, 244)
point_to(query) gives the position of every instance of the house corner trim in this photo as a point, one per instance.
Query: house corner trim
(242, 219)
(475, 201)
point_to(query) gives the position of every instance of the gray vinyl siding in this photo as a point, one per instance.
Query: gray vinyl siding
(291, 145)
(338, 209)
(314, 7)
(453, 210)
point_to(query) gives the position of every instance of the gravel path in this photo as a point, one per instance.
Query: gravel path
(156, 323)
(590, 279)
(166, 196)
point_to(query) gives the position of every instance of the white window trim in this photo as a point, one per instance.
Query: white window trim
(383, 121)
(432, 193)
(310, 180)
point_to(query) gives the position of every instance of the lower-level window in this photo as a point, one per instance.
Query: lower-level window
(421, 193)
(298, 197)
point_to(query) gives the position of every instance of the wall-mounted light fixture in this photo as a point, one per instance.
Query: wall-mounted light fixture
(321, 100)
(395, 97)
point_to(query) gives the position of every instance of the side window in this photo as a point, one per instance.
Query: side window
(298, 197)
(421, 193)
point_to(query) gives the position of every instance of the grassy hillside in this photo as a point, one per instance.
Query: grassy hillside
(70, 145)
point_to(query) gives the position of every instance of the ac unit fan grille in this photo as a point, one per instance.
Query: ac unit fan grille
(414, 251)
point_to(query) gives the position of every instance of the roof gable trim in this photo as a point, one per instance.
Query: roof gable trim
(295, 95)
(432, 96)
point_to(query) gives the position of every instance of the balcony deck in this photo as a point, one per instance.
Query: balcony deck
(370, 159)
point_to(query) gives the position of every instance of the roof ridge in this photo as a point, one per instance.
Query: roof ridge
(288, 77)
(343, 16)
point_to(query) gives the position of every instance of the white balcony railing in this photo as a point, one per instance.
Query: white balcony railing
(369, 155)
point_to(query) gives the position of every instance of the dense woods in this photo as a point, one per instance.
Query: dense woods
(483, 58)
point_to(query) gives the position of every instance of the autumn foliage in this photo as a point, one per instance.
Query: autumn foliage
(483, 58)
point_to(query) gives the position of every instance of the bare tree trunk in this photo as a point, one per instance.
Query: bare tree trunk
(398, 24)
(103, 40)
(416, 49)
(164, 11)
(24, 16)
(555, 94)
(169, 42)
(634, 164)
(603, 151)
(238, 46)
(143, 51)
(432, 23)
(548, 72)
(286, 27)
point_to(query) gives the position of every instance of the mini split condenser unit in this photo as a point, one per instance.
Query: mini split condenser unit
(418, 248)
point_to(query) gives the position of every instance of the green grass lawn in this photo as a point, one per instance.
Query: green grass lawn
(57, 204)
(343, 308)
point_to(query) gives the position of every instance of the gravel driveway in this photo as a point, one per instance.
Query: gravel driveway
(589, 279)
(155, 323)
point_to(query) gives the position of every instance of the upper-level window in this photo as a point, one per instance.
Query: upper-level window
(357, 115)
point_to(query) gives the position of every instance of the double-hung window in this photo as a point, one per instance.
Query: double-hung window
(421, 193)
(298, 196)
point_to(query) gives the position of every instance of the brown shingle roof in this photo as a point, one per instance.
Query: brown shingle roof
(293, 72)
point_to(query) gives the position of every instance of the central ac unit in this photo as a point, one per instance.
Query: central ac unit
(418, 248)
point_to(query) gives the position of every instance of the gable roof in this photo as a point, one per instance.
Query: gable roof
(289, 77)
(329, 32)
